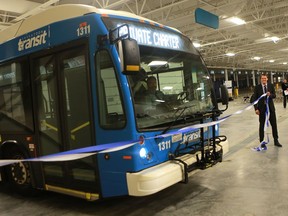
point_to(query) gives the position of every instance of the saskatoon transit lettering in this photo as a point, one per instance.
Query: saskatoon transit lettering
(153, 38)
(30, 42)
(191, 137)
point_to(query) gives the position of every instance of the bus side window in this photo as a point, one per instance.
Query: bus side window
(76, 90)
(111, 112)
(15, 98)
(45, 80)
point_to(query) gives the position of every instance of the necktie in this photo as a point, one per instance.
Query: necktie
(265, 91)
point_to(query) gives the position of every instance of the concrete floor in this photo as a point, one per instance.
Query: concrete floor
(246, 183)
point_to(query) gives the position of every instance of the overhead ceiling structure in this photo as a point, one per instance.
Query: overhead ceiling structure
(259, 43)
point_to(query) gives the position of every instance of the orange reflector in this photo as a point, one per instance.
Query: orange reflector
(141, 140)
(127, 157)
(104, 15)
(132, 67)
(28, 138)
(83, 24)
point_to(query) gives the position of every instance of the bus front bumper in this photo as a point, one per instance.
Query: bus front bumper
(159, 177)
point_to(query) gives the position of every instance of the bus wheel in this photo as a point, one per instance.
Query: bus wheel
(18, 174)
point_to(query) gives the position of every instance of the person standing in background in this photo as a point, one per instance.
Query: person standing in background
(260, 109)
(284, 86)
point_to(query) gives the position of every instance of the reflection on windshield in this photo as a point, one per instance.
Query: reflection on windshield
(169, 81)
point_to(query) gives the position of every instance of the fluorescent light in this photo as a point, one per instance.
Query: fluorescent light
(237, 20)
(275, 39)
(196, 44)
(284, 63)
(167, 88)
(160, 101)
(230, 54)
(257, 58)
(157, 63)
(272, 60)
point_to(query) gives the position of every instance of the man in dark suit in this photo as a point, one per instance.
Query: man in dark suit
(260, 109)
(284, 86)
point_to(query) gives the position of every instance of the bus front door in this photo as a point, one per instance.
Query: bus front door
(64, 119)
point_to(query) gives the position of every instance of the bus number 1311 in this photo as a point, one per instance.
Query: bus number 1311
(164, 145)
(83, 30)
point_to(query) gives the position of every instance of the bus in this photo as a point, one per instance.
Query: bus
(72, 77)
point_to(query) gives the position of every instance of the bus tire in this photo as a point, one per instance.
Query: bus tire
(18, 175)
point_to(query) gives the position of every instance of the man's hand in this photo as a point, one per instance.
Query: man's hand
(268, 93)
(257, 112)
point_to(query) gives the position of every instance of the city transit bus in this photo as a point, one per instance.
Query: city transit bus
(74, 76)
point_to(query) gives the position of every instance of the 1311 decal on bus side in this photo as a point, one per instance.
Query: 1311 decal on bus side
(83, 29)
(164, 145)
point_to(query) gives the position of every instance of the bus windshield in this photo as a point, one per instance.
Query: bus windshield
(171, 85)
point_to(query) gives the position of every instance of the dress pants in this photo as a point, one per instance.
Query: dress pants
(273, 124)
(284, 101)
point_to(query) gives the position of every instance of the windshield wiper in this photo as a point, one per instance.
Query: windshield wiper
(177, 117)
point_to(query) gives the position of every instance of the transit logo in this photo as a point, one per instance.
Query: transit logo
(34, 40)
(191, 137)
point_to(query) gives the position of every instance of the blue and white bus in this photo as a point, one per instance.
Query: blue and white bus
(73, 76)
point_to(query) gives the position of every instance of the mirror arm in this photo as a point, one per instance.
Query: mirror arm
(114, 40)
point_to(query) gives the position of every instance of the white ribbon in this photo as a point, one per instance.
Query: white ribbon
(74, 155)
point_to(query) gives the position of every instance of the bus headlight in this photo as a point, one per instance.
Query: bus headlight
(143, 152)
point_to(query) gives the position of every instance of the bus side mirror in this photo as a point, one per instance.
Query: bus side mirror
(129, 56)
(214, 99)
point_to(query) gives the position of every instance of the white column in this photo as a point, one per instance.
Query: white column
(237, 81)
(226, 74)
(253, 78)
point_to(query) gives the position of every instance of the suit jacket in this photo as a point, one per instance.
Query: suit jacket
(261, 106)
(284, 87)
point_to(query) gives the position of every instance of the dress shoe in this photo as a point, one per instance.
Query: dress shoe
(263, 147)
(277, 144)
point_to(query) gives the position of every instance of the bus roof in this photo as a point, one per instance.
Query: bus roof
(59, 13)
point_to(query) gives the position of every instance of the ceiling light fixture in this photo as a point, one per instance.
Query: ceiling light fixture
(275, 39)
(230, 54)
(167, 88)
(284, 63)
(237, 20)
(196, 44)
(157, 63)
(257, 58)
(272, 60)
